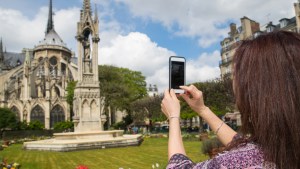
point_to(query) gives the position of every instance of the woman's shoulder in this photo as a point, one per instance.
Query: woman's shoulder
(244, 156)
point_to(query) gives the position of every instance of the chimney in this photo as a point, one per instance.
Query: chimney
(232, 29)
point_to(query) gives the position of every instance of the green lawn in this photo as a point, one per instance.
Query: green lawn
(152, 151)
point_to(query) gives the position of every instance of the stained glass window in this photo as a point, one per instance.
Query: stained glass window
(57, 114)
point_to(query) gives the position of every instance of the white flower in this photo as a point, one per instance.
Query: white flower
(157, 165)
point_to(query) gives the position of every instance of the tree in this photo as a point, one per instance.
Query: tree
(8, 119)
(217, 95)
(120, 87)
(148, 107)
(70, 95)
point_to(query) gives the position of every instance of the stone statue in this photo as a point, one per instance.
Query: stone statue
(87, 50)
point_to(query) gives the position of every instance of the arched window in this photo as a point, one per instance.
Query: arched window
(53, 66)
(94, 109)
(16, 110)
(38, 114)
(86, 109)
(57, 114)
(57, 91)
(53, 61)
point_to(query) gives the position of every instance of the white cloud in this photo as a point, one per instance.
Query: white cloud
(136, 51)
(204, 19)
(65, 23)
(119, 46)
(18, 31)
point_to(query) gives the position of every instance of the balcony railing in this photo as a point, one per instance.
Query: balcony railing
(230, 47)
(225, 62)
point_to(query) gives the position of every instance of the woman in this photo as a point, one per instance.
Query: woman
(267, 89)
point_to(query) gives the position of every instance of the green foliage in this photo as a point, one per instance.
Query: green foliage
(121, 86)
(22, 125)
(218, 95)
(148, 107)
(127, 120)
(64, 125)
(119, 125)
(210, 144)
(35, 125)
(70, 92)
(8, 119)
(186, 111)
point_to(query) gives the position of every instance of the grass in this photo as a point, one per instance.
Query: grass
(152, 151)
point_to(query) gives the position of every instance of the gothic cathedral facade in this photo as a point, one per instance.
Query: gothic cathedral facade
(33, 83)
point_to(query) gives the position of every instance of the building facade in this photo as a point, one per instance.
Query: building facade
(251, 29)
(33, 83)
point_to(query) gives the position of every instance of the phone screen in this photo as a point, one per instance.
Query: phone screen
(177, 74)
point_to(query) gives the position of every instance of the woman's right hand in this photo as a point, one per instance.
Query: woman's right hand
(194, 98)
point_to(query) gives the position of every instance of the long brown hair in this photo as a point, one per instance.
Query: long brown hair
(267, 91)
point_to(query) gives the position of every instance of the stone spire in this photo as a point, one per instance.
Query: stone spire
(96, 19)
(27, 58)
(87, 7)
(50, 24)
(1, 51)
(1, 46)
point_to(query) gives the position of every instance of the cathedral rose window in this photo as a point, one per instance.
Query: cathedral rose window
(53, 60)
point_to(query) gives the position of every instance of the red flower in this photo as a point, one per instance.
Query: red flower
(82, 167)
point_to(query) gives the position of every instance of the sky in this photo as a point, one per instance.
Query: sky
(142, 34)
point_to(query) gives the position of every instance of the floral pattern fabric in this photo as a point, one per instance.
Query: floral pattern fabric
(248, 156)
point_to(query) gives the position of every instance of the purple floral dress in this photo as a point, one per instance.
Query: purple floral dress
(248, 156)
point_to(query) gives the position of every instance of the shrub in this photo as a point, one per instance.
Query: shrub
(64, 125)
(209, 145)
(35, 125)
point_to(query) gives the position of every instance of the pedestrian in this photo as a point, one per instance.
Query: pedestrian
(266, 84)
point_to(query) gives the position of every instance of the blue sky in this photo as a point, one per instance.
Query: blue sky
(141, 35)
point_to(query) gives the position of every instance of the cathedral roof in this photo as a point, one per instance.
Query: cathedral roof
(12, 59)
(52, 38)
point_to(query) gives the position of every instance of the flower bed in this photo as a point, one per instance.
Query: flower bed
(5, 165)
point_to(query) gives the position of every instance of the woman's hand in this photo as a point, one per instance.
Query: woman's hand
(194, 98)
(170, 105)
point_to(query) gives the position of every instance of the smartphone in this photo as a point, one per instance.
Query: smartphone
(176, 73)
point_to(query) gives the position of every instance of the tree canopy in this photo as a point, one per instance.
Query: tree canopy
(121, 86)
(148, 107)
(8, 119)
(70, 92)
(218, 95)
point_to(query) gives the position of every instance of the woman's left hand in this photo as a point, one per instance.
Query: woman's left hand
(170, 105)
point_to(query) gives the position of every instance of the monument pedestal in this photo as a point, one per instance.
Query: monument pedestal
(85, 140)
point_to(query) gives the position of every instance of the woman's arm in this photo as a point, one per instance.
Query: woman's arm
(175, 139)
(171, 108)
(222, 130)
(194, 98)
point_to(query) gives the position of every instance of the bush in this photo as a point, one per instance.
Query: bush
(209, 145)
(190, 137)
(119, 125)
(64, 125)
(35, 125)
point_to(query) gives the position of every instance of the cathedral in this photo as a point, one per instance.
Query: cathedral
(33, 83)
